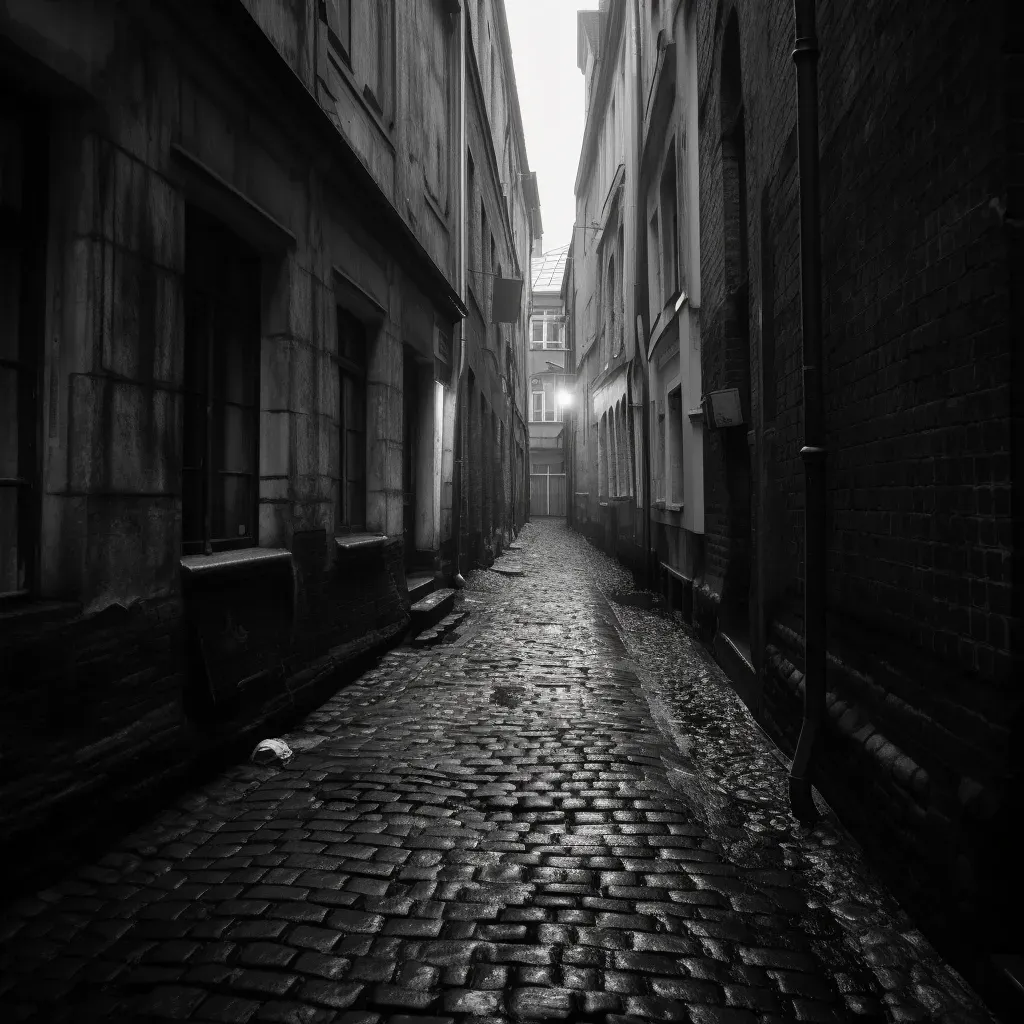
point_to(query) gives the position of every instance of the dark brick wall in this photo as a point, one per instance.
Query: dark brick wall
(918, 322)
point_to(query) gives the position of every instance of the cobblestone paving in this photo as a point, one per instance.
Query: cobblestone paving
(493, 829)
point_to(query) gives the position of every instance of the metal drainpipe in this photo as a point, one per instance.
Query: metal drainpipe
(641, 342)
(457, 578)
(813, 453)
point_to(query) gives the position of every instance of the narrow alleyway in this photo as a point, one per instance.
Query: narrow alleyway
(495, 828)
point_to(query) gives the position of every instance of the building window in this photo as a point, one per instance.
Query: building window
(659, 469)
(438, 103)
(350, 466)
(378, 56)
(222, 367)
(675, 445)
(669, 227)
(546, 331)
(22, 234)
(552, 414)
(609, 310)
(654, 266)
(472, 256)
(338, 15)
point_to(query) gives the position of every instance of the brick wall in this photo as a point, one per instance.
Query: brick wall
(917, 377)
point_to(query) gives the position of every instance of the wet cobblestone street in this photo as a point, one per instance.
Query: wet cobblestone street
(560, 812)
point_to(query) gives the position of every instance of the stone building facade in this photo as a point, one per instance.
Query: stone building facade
(668, 282)
(551, 378)
(919, 162)
(603, 304)
(502, 219)
(232, 327)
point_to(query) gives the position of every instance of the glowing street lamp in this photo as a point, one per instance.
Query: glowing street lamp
(564, 398)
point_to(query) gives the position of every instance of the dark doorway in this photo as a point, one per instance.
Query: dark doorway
(410, 420)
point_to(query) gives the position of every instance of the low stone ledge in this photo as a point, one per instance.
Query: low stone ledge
(357, 543)
(195, 566)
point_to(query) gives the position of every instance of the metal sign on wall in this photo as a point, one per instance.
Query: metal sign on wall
(506, 300)
(723, 408)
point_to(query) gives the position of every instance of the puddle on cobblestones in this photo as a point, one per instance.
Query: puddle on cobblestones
(508, 696)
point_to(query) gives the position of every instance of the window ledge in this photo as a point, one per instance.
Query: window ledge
(348, 543)
(672, 506)
(223, 561)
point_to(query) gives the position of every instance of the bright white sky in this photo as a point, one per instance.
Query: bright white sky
(543, 34)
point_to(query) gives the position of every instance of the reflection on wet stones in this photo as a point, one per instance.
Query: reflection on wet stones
(508, 696)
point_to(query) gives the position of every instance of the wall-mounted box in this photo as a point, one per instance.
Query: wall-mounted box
(722, 408)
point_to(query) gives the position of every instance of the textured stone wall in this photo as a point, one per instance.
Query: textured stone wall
(109, 692)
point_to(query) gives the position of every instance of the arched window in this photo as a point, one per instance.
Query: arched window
(602, 456)
(610, 304)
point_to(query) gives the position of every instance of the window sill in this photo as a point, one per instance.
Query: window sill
(195, 566)
(672, 506)
(354, 543)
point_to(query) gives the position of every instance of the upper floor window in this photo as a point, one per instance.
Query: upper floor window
(438, 99)
(376, 56)
(545, 403)
(654, 265)
(221, 416)
(338, 15)
(547, 332)
(360, 35)
(669, 226)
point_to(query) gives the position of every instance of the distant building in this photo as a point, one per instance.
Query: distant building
(551, 378)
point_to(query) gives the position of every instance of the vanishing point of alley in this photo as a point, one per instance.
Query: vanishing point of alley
(513, 823)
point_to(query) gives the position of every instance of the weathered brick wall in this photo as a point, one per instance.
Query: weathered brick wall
(917, 379)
